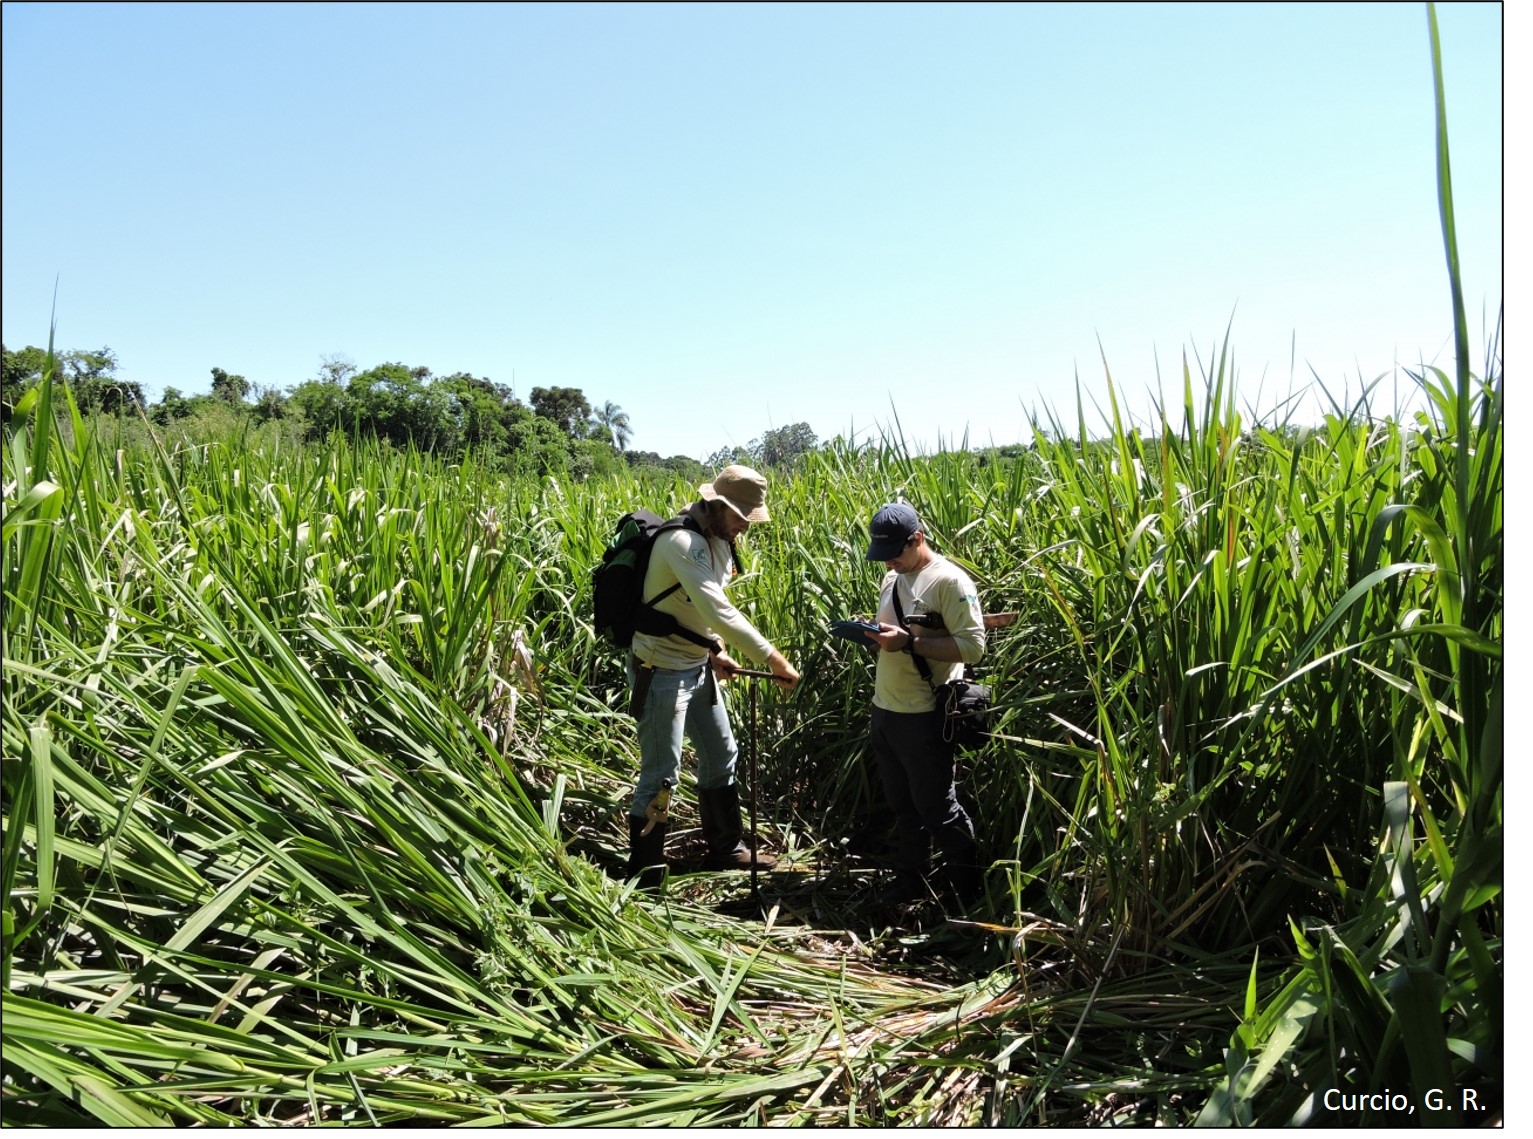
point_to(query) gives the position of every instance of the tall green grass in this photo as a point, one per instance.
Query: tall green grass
(1404, 987)
(274, 852)
(296, 743)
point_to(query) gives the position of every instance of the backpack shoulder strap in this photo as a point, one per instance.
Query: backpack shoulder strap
(899, 614)
(682, 522)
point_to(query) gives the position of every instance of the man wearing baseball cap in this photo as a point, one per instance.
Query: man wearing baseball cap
(674, 678)
(928, 609)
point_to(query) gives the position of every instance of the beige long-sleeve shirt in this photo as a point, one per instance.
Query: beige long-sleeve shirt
(703, 566)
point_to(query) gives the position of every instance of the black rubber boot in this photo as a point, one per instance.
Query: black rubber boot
(646, 852)
(960, 856)
(966, 884)
(906, 886)
(719, 810)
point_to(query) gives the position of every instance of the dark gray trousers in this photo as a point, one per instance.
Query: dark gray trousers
(916, 767)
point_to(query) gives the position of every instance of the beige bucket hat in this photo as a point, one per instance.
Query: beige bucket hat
(743, 489)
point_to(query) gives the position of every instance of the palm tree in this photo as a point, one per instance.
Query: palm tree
(614, 420)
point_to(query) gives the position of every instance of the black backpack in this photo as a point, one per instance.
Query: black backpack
(617, 584)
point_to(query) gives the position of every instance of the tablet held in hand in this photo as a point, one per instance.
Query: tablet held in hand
(854, 630)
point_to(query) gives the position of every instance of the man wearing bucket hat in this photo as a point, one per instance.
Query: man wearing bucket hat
(674, 679)
(928, 610)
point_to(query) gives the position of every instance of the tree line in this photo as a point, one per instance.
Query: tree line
(558, 429)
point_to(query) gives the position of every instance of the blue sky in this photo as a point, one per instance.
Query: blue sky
(727, 219)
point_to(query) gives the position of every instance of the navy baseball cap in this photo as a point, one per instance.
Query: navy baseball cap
(891, 529)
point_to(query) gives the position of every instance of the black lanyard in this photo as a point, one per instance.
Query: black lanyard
(899, 612)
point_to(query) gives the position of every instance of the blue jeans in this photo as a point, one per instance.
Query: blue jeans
(679, 703)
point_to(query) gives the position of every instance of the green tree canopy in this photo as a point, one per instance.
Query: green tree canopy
(726, 455)
(567, 407)
(782, 445)
(270, 403)
(92, 377)
(405, 406)
(486, 411)
(229, 388)
(22, 369)
(778, 447)
(401, 405)
(323, 403)
(172, 406)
